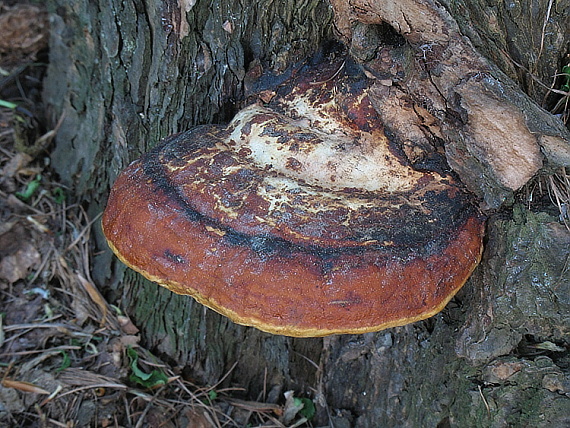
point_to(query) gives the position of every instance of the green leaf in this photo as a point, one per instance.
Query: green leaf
(66, 362)
(30, 189)
(212, 395)
(566, 72)
(58, 195)
(148, 380)
(308, 410)
(8, 104)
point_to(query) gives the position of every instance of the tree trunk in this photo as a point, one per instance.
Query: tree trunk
(127, 73)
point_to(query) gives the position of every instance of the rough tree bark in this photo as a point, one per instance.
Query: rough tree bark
(127, 73)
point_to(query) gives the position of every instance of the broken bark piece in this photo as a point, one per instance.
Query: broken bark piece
(496, 138)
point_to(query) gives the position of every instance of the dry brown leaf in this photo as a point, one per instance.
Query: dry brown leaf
(17, 254)
(130, 340)
(88, 379)
(16, 266)
(127, 325)
(95, 296)
(24, 386)
(198, 419)
(19, 161)
(25, 29)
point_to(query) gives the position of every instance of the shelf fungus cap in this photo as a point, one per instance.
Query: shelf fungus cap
(300, 217)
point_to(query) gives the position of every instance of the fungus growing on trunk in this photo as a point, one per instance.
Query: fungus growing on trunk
(300, 217)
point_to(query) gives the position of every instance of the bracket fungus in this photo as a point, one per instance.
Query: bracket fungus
(300, 217)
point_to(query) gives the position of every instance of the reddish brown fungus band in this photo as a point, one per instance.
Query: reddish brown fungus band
(300, 217)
